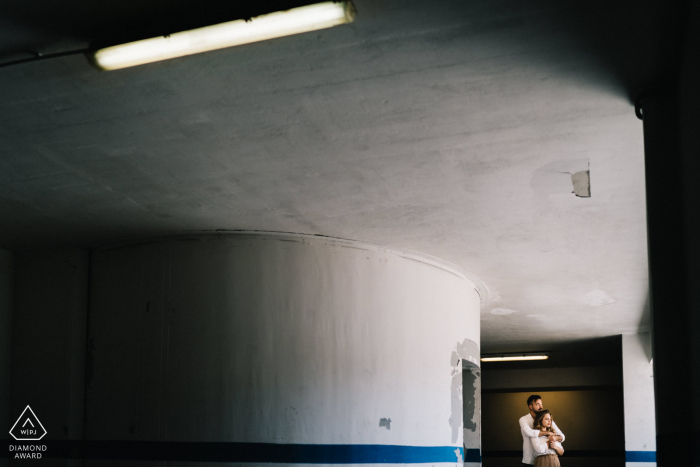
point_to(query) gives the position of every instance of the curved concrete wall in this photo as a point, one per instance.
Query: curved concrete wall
(274, 339)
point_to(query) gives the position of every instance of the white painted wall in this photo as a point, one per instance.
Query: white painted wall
(282, 339)
(6, 273)
(638, 375)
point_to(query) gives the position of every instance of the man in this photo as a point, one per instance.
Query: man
(534, 403)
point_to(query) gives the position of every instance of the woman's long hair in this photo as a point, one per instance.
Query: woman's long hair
(538, 420)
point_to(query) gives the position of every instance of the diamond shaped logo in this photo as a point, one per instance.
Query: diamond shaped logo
(27, 427)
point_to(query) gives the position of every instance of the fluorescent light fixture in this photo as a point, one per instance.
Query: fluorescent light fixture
(513, 357)
(218, 36)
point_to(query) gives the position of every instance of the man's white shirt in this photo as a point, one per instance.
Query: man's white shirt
(528, 431)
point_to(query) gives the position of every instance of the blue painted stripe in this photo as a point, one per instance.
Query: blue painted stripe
(252, 452)
(640, 456)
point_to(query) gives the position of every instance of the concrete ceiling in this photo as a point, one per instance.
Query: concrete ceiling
(446, 127)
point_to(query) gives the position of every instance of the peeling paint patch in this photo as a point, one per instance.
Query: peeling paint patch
(472, 416)
(598, 298)
(465, 351)
(386, 422)
(469, 388)
(470, 362)
(468, 350)
(582, 183)
(503, 311)
(454, 360)
(458, 453)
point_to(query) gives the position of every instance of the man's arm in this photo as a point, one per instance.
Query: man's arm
(531, 432)
(558, 432)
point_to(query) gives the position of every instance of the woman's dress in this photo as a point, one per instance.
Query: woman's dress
(544, 455)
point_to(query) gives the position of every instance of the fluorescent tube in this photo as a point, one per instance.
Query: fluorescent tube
(219, 36)
(512, 358)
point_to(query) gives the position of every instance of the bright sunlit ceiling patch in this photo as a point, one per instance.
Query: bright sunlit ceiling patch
(229, 34)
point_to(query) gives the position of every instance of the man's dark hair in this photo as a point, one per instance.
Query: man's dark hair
(532, 399)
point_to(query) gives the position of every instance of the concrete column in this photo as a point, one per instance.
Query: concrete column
(277, 348)
(638, 383)
(6, 280)
(48, 344)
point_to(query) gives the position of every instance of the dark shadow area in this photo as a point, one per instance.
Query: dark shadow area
(637, 43)
(601, 351)
(645, 325)
(117, 21)
(671, 146)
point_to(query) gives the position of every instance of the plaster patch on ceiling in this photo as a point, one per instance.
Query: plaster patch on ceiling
(598, 298)
(540, 317)
(502, 311)
(582, 183)
(551, 179)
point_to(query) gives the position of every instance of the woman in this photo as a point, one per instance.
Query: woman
(546, 453)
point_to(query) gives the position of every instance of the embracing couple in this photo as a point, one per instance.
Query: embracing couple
(541, 436)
